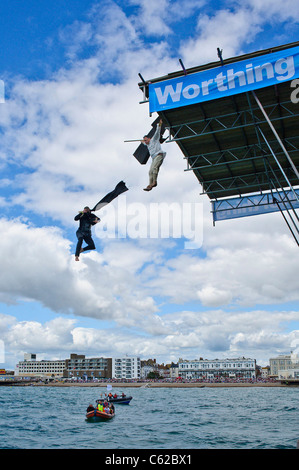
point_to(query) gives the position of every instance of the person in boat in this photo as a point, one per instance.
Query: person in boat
(100, 405)
(123, 395)
(107, 409)
(110, 395)
(115, 395)
(90, 408)
(112, 408)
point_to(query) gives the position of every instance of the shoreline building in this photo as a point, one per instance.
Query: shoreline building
(30, 367)
(148, 366)
(282, 364)
(80, 367)
(127, 368)
(205, 369)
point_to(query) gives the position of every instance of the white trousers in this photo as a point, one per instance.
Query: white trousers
(155, 167)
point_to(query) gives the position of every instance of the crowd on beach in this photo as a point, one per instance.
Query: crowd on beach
(167, 380)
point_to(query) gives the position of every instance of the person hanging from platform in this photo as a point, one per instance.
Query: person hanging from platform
(87, 219)
(154, 147)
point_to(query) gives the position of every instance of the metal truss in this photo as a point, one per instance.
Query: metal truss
(236, 120)
(262, 168)
(278, 199)
(242, 182)
(239, 154)
(257, 203)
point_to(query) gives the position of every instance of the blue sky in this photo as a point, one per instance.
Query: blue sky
(71, 99)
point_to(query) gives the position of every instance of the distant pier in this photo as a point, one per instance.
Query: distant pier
(290, 381)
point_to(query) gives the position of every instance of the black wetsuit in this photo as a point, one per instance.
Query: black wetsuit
(84, 231)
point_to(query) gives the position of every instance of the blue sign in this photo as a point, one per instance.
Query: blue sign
(253, 205)
(226, 80)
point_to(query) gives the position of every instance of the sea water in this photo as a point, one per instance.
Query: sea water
(157, 418)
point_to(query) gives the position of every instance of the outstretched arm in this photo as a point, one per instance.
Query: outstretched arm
(78, 216)
(156, 135)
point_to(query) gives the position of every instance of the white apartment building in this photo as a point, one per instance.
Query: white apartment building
(284, 366)
(126, 368)
(145, 370)
(283, 362)
(30, 367)
(234, 368)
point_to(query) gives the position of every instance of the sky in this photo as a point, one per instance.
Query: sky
(156, 286)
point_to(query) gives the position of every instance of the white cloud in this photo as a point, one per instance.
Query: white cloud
(227, 30)
(235, 27)
(213, 297)
(156, 18)
(211, 334)
(125, 281)
(254, 273)
(153, 15)
(50, 336)
(37, 265)
(273, 10)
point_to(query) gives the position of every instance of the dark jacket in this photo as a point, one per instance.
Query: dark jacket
(86, 221)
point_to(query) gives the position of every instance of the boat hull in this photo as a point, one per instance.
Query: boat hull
(96, 415)
(120, 400)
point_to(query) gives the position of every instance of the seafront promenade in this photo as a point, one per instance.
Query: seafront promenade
(162, 384)
(150, 384)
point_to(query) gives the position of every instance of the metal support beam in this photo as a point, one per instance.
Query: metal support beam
(279, 165)
(144, 88)
(276, 135)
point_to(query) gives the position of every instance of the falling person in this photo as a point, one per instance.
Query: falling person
(86, 219)
(157, 154)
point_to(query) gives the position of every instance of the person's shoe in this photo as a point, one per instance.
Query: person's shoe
(148, 188)
(76, 258)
